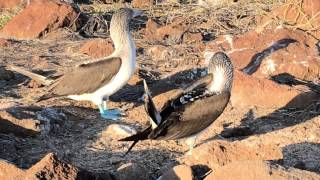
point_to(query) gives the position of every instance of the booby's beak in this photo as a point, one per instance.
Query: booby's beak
(137, 13)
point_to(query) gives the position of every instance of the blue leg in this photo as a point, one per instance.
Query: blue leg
(111, 114)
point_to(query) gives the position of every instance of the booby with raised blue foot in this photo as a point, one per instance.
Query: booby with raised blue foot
(97, 80)
(191, 111)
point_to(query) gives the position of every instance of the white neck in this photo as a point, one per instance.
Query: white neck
(127, 52)
(218, 83)
(124, 45)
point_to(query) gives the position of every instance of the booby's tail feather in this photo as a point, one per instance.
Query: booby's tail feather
(43, 97)
(137, 137)
(41, 79)
(150, 107)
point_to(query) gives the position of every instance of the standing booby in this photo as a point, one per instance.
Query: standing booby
(97, 80)
(191, 111)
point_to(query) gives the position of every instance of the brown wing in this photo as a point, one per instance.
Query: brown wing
(86, 78)
(167, 108)
(192, 118)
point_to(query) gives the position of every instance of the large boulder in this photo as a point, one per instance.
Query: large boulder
(39, 18)
(29, 121)
(220, 153)
(8, 4)
(248, 91)
(180, 172)
(97, 48)
(303, 15)
(50, 167)
(272, 52)
(170, 34)
(252, 170)
(132, 171)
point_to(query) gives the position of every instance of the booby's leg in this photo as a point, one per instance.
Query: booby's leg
(113, 111)
(111, 114)
(190, 142)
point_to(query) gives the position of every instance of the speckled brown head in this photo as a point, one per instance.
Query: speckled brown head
(119, 26)
(121, 19)
(220, 66)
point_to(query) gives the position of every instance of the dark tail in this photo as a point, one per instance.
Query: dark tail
(149, 106)
(41, 79)
(137, 137)
(44, 97)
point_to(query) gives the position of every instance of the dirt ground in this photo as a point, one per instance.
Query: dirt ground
(81, 137)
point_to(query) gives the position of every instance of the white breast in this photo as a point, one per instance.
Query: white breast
(219, 80)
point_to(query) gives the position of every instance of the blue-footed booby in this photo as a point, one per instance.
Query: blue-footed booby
(193, 110)
(97, 80)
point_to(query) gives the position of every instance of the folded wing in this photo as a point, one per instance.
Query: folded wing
(85, 78)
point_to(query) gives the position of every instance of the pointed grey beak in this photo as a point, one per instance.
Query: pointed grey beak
(137, 13)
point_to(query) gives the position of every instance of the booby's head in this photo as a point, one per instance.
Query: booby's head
(119, 26)
(221, 68)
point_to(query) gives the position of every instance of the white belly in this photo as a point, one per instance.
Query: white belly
(120, 79)
(82, 97)
(117, 82)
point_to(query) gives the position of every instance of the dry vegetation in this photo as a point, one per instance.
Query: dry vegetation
(6, 15)
(83, 139)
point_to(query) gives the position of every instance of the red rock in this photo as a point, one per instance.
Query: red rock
(8, 4)
(192, 37)
(242, 58)
(304, 15)
(34, 84)
(151, 29)
(20, 127)
(159, 52)
(252, 170)
(180, 172)
(216, 154)
(9, 171)
(22, 121)
(4, 42)
(248, 91)
(171, 33)
(142, 3)
(221, 43)
(299, 59)
(134, 80)
(132, 171)
(39, 18)
(49, 167)
(248, 40)
(97, 48)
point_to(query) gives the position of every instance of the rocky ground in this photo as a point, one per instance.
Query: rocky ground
(270, 129)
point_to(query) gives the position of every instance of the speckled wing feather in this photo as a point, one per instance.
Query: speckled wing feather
(171, 104)
(191, 118)
(85, 78)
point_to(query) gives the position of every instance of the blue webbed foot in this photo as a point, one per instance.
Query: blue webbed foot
(115, 112)
(110, 114)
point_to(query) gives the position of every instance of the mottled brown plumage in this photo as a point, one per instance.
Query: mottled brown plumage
(191, 119)
(193, 109)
